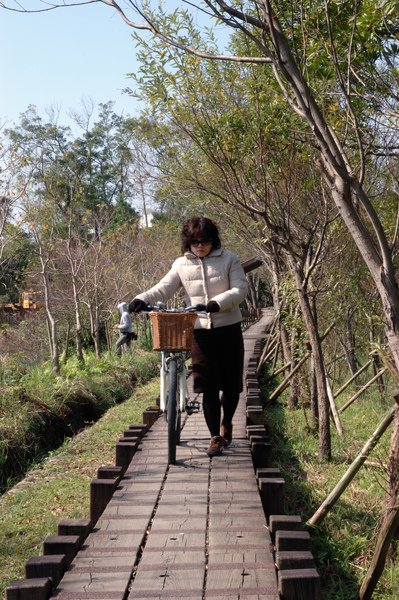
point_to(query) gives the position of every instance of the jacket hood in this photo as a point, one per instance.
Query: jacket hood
(123, 307)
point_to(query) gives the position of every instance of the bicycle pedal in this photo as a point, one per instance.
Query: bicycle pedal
(192, 407)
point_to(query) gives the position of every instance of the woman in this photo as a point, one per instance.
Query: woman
(213, 277)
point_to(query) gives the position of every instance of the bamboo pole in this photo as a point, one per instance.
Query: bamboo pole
(277, 349)
(343, 388)
(390, 522)
(279, 389)
(286, 381)
(280, 370)
(360, 392)
(272, 348)
(341, 486)
(337, 420)
(271, 341)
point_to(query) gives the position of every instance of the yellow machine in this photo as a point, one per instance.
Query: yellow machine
(29, 300)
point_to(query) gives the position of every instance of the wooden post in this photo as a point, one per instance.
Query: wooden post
(105, 472)
(150, 415)
(292, 540)
(80, 527)
(53, 566)
(271, 491)
(29, 589)
(360, 392)
(285, 523)
(101, 491)
(341, 486)
(294, 559)
(62, 544)
(299, 584)
(124, 452)
(255, 415)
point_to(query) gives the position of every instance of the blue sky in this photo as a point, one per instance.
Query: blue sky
(59, 58)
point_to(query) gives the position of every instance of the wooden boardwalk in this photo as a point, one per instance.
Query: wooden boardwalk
(195, 530)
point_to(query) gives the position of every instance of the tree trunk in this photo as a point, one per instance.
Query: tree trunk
(377, 362)
(78, 322)
(318, 361)
(348, 343)
(344, 185)
(68, 331)
(313, 395)
(52, 323)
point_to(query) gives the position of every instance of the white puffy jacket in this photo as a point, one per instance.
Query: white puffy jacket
(218, 276)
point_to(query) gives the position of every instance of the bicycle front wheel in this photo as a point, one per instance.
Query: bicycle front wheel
(173, 413)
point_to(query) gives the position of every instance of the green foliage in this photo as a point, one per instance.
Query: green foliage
(18, 254)
(39, 409)
(344, 542)
(60, 486)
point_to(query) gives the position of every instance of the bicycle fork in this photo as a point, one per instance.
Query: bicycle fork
(166, 358)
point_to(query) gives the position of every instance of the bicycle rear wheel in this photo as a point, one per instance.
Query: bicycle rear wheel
(173, 413)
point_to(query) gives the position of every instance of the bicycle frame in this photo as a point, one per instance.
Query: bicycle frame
(174, 398)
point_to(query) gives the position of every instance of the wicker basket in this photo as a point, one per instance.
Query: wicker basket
(172, 331)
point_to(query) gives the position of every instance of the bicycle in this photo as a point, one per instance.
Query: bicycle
(172, 333)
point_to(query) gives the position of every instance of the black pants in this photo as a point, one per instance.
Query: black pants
(213, 405)
(218, 361)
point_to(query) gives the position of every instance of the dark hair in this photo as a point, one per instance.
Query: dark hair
(199, 228)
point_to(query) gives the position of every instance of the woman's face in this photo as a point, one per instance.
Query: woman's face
(201, 247)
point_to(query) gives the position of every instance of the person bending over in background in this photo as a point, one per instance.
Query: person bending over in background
(213, 277)
(125, 329)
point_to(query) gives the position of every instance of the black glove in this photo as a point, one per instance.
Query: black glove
(212, 306)
(137, 305)
(200, 307)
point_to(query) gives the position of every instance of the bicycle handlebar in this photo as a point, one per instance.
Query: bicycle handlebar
(159, 307)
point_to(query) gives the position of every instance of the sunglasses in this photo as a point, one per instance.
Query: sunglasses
(200, 242)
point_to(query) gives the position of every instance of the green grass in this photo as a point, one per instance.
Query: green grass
(59, 488)
(344, 542)
(40, 409)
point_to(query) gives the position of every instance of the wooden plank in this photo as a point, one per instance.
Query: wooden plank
(172, 594)
(160, 541)
(250, 504)
(83, 562)
(234, 486)
(241, 578)
(179, 523)
(235, 556)
(111, 540)
(167, 579)
(92, 582)
(227, 521)
(170, 557)
(188, 508)
(241, 537)
(126, 510)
